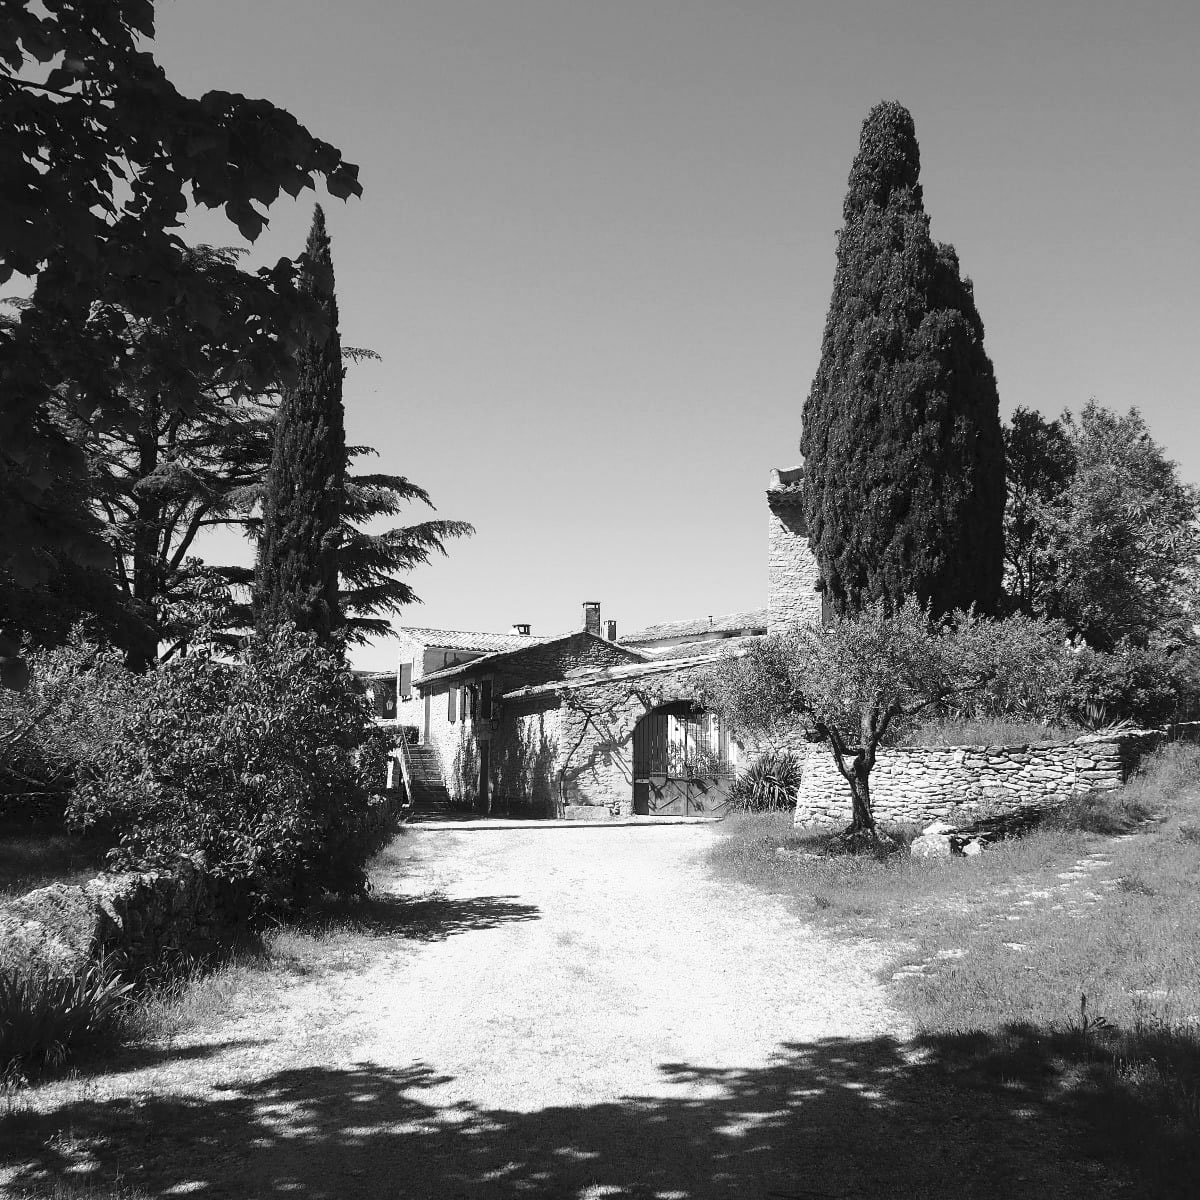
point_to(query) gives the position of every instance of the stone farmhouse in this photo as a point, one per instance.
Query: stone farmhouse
(585, 725)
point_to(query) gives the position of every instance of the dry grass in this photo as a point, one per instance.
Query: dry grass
(998, 951)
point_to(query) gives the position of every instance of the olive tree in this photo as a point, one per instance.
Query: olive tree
(858, 680)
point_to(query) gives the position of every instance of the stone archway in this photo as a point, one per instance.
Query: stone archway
(680, 762)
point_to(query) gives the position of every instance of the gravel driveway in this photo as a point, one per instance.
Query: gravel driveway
(567, 1012)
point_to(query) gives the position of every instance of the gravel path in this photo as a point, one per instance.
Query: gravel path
(578, 1013)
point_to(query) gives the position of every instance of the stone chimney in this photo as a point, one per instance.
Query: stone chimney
(793, 597)
(610, 630)
(521, 630)
(591, 617)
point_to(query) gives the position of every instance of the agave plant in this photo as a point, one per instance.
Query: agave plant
(769, 784)
(45, 1017)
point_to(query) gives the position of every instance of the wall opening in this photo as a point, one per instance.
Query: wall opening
(681, 764)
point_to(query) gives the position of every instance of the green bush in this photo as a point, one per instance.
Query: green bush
(265, 767)
(76, 701)
(46, 1018)
(769, 784)
(1149, 686)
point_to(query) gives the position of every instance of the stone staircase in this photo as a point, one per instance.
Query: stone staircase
(429, 795)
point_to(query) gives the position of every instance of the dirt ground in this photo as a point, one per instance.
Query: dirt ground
(559, 1012)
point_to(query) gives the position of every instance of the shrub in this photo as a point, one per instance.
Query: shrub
(1149, 686)
(769, 784)
(265, 767)
(76, 701)
(45, 1018)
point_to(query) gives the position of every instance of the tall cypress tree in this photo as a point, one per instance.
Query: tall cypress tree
(296, 578)
(904, 458)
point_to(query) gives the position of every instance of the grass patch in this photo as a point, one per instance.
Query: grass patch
(997, 952)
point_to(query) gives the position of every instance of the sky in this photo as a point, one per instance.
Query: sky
(596, 246)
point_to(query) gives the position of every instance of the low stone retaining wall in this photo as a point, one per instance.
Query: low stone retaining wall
(915, 785)
(133, 922)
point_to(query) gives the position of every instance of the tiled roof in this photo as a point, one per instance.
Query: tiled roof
(455, 639)
(489, 660)
(612, 675)
(704, 649)
(730, 623)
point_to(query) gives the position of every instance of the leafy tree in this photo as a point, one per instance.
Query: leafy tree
(904, 464)
(857, 680)
(101, 158)
(165, 476)
(1102, 532)
(296, 579)
(1040, 461)
(264, 767)
(1125, 537)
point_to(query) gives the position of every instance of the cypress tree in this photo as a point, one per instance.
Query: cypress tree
(296, 577)
(904, 458)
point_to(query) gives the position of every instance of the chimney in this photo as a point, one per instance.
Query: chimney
(522, 630)
(612, 630)
(591, 616)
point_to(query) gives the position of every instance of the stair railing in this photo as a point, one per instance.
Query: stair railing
(406, 771)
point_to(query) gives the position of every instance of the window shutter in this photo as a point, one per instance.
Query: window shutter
(406, 673)
(451, 704)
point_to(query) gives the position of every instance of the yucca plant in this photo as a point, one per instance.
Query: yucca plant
(769, 784)
(45, 1017)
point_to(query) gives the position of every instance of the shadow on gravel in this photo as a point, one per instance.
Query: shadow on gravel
(970, 1117)
(121, 1061)
(430, 918)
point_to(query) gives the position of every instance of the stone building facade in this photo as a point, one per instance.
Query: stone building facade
(793, 584)
(586, 726)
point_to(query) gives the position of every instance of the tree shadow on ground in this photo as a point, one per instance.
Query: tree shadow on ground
(429, 918)
(984, 1117)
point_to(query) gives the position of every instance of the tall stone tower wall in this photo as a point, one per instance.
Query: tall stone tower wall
(792, 594)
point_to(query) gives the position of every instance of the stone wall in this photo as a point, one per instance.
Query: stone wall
(792, 595)
(595, 740)
(524, 762)
(133, 922)
(915, 785)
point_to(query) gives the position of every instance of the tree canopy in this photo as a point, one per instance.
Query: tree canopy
(296, 578)
(1101, 531)
(856, 680)
(101, 158)
(904, 463)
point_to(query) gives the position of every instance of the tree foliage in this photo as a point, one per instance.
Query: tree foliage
(859, 679)
(264, 767)
(101, 157)
(1040, 461)
(296, 578)
(1102, 532)
(904, 464)
(55, 728)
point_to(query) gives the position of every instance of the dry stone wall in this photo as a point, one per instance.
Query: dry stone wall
(915, 785)
(133, 922)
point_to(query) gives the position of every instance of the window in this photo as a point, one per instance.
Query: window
(406, 674)
(462, 704)
(451, 704)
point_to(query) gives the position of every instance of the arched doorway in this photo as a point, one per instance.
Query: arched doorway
(680, 762)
